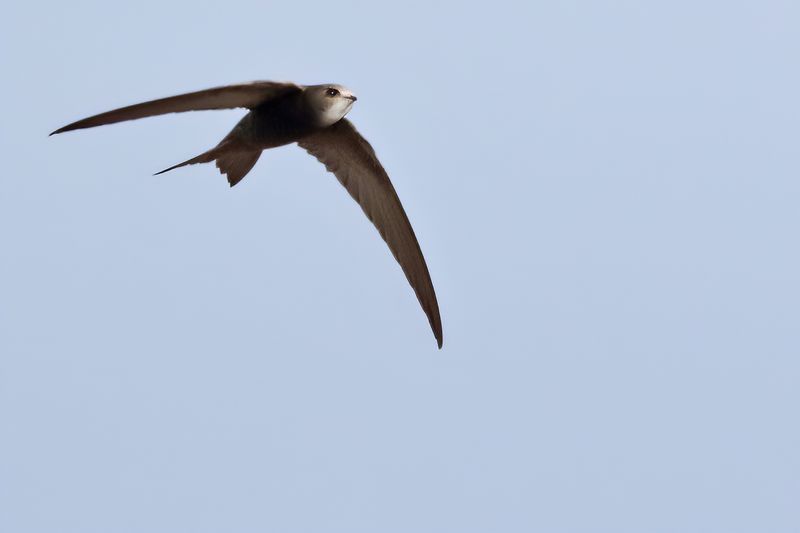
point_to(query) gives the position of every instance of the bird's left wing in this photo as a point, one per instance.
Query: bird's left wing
(247, 95)
(352, 160)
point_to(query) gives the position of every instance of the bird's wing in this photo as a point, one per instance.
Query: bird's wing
(247, 95)
(352, 160)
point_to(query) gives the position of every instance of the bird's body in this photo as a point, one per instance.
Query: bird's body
(313, 116)
(284, 119)
(277, 122)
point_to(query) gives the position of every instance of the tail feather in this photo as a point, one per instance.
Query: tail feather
(236, 165)
(205, 157)
(234, 162)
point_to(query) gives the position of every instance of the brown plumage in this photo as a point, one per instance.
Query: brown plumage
(312, 116)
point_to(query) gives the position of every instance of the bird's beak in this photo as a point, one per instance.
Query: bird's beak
(352, 97)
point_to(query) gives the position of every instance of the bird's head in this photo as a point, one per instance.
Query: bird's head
(330, 102)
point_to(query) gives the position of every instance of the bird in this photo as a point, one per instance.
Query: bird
(313, 116)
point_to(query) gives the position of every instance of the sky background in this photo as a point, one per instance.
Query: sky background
(606, 193)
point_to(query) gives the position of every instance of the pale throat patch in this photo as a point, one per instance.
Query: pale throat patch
(336, 112)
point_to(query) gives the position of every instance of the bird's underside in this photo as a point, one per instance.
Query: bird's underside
(283, 113)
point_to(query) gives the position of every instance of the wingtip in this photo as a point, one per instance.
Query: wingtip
(62, 129)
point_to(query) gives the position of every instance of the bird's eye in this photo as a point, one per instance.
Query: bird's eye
(331, 92)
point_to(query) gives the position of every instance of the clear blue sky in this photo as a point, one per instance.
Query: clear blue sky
(607, 194)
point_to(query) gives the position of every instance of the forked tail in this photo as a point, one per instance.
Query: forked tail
(233, 161)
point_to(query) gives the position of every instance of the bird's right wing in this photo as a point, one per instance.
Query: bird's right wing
(349, 156)
(248, 95)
